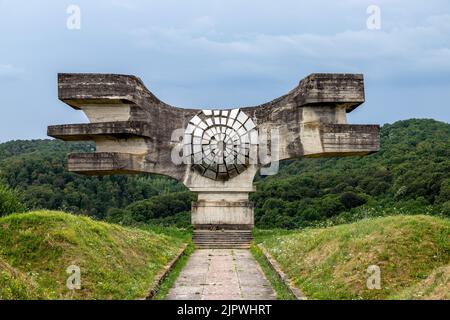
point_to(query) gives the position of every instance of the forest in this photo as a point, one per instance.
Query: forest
(410, 175)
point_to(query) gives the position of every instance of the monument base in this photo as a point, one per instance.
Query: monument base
(222, 214)
(224, 223)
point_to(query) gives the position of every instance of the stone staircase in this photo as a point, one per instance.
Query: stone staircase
(222, 239)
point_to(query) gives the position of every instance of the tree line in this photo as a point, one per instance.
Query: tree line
(410, 174)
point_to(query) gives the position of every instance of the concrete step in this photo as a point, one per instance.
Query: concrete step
(214, 246)
(224, 235)
(222, 242)
(223, 230)
(222, 239)
(220, 232)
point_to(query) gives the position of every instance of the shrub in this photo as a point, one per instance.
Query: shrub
(444, 194)
(161, 206)
(120, 216)
(352, 200)
(445, 209)
(9, 202)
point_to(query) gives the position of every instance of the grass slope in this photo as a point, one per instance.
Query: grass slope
(413, 253)
(116, 262)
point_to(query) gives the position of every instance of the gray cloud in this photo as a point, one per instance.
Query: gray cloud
(205, 53)
(420, 49)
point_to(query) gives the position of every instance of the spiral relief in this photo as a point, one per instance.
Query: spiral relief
(217, 143)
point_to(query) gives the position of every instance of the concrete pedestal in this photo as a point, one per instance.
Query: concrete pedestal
(222, 214)
(222, 211)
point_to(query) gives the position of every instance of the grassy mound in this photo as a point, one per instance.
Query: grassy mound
(413, 253)
(36, 248)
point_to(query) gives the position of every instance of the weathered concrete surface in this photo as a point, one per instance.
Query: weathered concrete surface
(121, 107)
(212, 212)
(135, 132)
(221, 274)
(225, 238)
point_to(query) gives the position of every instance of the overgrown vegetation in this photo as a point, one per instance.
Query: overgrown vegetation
(172, 209)
(37, 169)
(412, 252)
(36, 248)
(410, 175)
(9, 201)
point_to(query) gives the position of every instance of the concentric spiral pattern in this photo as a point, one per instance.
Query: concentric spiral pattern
(217, 142)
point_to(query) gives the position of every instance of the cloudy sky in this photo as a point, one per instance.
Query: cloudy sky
(224, 53)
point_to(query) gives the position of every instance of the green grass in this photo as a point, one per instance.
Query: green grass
(435, 286)
(116, 262)
(278, 285)
(413, 253)
(183, 234)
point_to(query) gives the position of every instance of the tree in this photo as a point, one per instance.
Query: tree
(351, 200)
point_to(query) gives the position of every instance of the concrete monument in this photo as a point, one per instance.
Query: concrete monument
(215, 153)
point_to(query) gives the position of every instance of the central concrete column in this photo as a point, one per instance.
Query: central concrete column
(223, 205)
(223, 210)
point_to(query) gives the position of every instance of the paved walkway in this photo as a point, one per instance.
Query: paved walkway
(221, 274)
